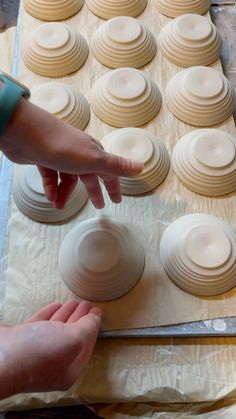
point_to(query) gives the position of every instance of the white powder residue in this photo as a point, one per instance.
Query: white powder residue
(207, 323)
(34, 327)
(219, 325)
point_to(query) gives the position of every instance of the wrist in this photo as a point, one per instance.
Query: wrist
(25, 139)
(14, 127)
(11, 93)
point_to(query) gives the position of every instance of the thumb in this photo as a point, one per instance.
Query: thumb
(119, 166)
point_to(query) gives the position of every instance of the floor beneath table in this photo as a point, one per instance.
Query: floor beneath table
(224, 16)
(10, 11)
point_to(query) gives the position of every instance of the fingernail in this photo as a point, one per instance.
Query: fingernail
(98, 320)
(98, 311)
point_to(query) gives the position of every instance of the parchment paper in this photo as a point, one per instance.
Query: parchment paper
(6, 49)
(171, 371)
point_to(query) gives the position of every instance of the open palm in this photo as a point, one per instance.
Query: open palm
(49, 351)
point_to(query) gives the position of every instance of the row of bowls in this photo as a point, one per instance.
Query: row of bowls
(127, 97)
(203, 160)
(56, 49)
(106, 9)
(101, 259)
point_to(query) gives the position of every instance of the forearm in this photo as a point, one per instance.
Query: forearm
(28, 125)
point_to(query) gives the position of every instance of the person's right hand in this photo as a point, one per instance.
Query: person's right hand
(63, 153)
(50, 350)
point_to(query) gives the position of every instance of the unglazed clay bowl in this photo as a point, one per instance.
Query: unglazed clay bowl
(63, 101)
(55, 50)
(125, 97)
(174, 8)
(52, 10)
(107, 9)
(205, 162)
(141, 145)
(123, 42)
(198, 253)
(100, 259)
(30, 198)
(190, 40)
(200, 96)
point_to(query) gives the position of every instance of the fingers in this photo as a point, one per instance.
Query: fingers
(94, 190)
(113, 188)
(69, 312)
(118, 166)
(89, 324)
(93, 187)
(65, 311)
(85, 333)
(82, 336)
(97, 311)
(45, 313)
(110, 167)
(57, 193)
(50, 182)
(66, 186)
(72, 311)
(86, 328)
(83, 308)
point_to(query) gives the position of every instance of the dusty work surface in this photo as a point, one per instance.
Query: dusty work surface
(32, 275)
(173, 371)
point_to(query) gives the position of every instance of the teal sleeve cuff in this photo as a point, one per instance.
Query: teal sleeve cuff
(10, 95)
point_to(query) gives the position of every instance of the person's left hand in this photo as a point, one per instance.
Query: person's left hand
(49, 351)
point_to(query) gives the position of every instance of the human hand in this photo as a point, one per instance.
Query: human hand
(49, 351)
(63, 153)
